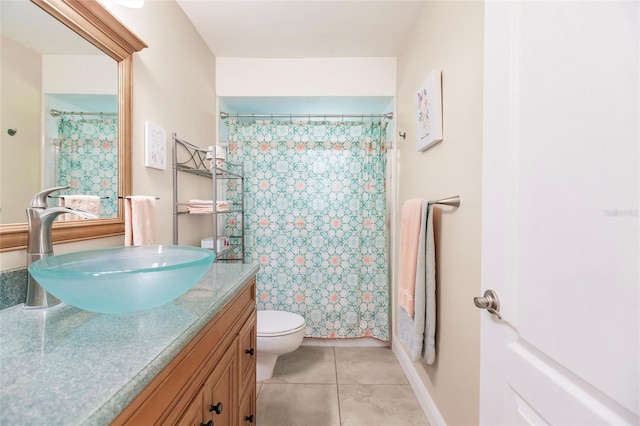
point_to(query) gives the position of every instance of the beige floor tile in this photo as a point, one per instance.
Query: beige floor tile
(379, 405)
(258, 387)
(307, 364)
(368, 366)
(298, 404)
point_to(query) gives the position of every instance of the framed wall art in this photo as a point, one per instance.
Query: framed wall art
(155, 146)
(429, 111)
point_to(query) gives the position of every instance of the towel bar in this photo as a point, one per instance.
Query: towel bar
(450, 201)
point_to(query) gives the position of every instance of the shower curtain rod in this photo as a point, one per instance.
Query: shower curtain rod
(224, 115)
(56, 113)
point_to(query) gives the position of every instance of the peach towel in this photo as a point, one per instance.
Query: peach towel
(409, 241)
(88, 203)
(139, 220)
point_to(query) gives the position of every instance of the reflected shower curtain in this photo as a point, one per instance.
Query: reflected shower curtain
(88, 160)
(315, 221)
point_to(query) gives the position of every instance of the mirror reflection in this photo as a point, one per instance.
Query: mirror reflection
(58, 115)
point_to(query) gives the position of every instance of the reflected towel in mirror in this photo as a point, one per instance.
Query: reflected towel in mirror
(88, 203)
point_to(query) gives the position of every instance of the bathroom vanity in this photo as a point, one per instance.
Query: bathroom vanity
(191, 361)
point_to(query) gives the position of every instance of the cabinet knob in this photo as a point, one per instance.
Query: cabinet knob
(249, 418)
(209, 423)
(216, 408)
(249, 351)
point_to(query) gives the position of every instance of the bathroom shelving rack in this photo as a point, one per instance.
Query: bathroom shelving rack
(202, 162)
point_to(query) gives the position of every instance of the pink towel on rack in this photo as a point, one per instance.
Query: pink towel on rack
(409, 241)
(87, 203)
(139, 220)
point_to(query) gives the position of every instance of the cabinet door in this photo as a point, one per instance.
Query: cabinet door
(248, 406)
(248, 353)
(221, 389)
(194, 414)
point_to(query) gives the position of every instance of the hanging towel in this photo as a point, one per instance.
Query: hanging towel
(88, 203)
(418, 333)
(409, 240)
(139, 220)
(429, 352)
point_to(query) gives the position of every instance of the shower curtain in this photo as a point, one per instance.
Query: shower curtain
(315, 221)
(88, 160)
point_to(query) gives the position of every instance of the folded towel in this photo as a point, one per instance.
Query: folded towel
(139, 220)
(199, 209)
(196, 206)
(409, 240)
(88, 203)
(206, 206)
(198, 203)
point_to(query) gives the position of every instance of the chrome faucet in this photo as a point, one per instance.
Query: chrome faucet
(40, 219)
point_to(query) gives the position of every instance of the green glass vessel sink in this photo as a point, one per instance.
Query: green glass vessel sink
(122, 279)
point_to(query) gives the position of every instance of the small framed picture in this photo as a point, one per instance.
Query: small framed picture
(429, 111)
(155, 146)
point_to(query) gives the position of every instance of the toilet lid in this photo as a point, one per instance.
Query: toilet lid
(278, 322)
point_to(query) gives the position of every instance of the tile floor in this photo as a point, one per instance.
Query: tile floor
(338, 386)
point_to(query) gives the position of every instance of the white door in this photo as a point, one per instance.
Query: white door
(560, 213)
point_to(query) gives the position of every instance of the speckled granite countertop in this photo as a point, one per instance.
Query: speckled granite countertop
(66, 366)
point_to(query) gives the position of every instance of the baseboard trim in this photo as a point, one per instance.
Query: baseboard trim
(424, 398)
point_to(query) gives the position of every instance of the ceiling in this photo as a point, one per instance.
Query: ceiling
(302, 28)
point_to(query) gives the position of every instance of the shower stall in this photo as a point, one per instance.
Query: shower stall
(316, 217)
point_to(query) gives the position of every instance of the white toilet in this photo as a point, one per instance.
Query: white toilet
(278, 333)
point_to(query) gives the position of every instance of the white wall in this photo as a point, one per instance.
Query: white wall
(20, 109)
(88, 74)
(447, 36)
(306, 77)
(173, 87)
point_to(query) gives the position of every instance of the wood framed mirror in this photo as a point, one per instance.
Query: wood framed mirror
(98, 26)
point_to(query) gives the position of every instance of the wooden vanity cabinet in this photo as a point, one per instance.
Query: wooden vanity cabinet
(193, 414)
(212, 381)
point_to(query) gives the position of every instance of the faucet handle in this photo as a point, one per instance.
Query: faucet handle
(40, 199)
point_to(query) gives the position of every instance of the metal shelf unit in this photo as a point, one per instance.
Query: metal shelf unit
(202, 162)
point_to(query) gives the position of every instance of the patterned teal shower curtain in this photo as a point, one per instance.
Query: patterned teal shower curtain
(88, 160)
(316, 221)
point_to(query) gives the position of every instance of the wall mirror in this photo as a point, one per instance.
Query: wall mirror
(66, 76)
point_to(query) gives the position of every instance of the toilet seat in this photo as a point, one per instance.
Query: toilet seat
(278, 323)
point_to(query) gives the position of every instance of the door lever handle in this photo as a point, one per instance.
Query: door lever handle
(490, 302)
